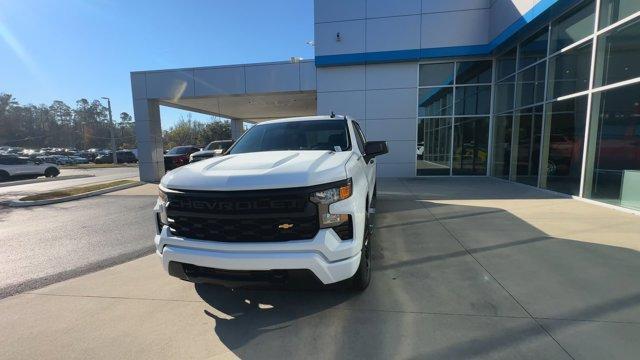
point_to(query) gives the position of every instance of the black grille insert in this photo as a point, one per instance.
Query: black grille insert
(243, 216)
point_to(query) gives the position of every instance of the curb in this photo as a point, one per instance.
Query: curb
(18, 203)
(43, 180)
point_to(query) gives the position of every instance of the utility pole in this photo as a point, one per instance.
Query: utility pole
(113, 139)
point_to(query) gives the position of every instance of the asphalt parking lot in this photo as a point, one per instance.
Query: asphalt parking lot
(463, 268)
(11, 191)
(42, 245)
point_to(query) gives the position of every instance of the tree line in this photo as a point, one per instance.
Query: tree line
(187, 131)
(84, 126)
(87, 126)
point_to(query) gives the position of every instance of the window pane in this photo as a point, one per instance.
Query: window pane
(566, 121)
(529, 122)
(436, 74)
(434, 146)
(504, 94)
(530, 87)
(502, 129)
(470, 146)
(614, 10)
(533, 49)
(474, 72)
(435, 101)
(506, 64)
(569, 71)
(618, 54)
(616, 146)
(473, 100)
(575, 26)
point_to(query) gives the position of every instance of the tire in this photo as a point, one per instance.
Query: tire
(51, 172)
(360, 281)
(4, 176)
(552, 168)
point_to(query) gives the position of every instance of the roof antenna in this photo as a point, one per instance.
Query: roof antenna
(333, 115)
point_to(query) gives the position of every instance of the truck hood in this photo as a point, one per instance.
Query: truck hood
(262, 170)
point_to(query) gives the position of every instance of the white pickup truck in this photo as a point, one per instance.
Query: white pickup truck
(292, 198)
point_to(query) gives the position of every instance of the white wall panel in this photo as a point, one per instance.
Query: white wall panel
(307, 75)
(455, 29)
(351, 35)
(172, 84)
(383, 8)
(218, 81)
(391, 129)
(393, 33)
(340, 78)
(337, 10)
(272, 78)
(434, 6)
(391, 103)
(139, 85)
(343, 103)
(399, 151)
(394, 75)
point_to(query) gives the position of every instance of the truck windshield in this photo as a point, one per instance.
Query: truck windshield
(295, 135)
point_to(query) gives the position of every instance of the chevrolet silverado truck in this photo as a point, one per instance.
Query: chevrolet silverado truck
(291, 199)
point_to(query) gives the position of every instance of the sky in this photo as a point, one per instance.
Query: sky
(72, 49)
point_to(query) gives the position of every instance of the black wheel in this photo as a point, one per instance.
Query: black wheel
(552, 168)
(51, 172)
(4, 176)
(362, 277)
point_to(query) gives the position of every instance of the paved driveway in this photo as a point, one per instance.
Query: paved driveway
(12, 192)
(464, 268)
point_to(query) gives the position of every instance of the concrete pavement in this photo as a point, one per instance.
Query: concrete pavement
(463, 268)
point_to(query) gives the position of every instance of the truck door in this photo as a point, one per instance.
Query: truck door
(370, 164)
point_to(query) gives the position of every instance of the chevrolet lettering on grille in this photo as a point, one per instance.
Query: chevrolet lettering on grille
(214, 205)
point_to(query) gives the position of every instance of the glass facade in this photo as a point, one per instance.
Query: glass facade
(454, 107)
(614, 147)
(566, 120)
(560, 110)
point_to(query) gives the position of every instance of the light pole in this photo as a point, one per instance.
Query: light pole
(113, 139)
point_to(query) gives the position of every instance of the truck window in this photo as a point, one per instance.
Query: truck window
(295, 135)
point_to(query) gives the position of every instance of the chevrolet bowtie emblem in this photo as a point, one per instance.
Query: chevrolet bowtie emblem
(285, 226)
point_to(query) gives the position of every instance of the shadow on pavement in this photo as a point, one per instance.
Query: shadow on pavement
(450, 282)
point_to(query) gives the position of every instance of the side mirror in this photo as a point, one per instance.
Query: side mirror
(375, 148)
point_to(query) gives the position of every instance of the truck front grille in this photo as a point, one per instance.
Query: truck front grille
(243, 216)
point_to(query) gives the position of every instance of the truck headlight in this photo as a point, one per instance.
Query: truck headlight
(326, 197)
(164, 201)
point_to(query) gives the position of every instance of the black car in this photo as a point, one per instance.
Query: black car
(178, 156)
(215, 148)
(123, 156)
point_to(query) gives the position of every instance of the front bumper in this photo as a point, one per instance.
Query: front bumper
(326, 255)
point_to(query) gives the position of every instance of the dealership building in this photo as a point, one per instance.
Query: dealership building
(540, 92)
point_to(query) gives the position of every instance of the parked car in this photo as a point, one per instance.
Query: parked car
(215, 148)
(61, 159)
(178, 156)
(79, 159)
(12, 166)
(290, 197)
(123, 156)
